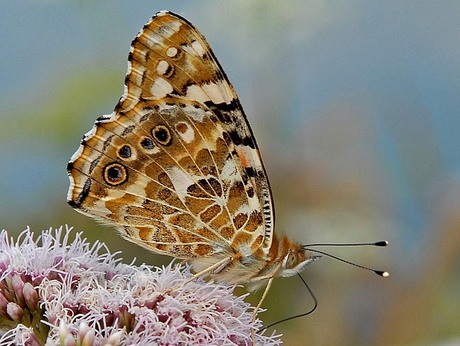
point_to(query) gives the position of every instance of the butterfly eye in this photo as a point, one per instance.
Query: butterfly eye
(115, 174)
(290, 260)
(162, 134)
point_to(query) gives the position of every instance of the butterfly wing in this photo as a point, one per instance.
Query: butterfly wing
(175, 167)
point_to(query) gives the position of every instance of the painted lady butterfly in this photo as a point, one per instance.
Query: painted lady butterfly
(176, 169)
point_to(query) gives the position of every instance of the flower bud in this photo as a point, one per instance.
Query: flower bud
(18, 286)
(15, 312)
(30, 296)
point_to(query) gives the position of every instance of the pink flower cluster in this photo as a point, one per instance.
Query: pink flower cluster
(57, 291)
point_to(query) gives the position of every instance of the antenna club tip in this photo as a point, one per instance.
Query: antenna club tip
(383, 274)
(381, 243)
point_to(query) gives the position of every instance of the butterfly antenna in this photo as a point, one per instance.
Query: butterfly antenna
(315, 301)
(379, 244)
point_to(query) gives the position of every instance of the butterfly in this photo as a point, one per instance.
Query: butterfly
(175, 167)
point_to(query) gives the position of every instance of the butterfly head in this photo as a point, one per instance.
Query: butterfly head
(295, 262)
(294, 258)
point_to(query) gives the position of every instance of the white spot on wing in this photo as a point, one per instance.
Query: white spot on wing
(196, 114)
(188, 135)
(214, 93)
(160, 88)
(152, 39)
(243, 209)
(162, 67)
(198, 48)
(180, 180)
(171, 52)
(196, 92)
(229, 171)
(175, 25)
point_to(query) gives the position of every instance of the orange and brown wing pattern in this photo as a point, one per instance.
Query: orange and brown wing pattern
(175, 167)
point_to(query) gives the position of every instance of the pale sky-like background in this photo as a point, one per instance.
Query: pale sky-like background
(355, 106)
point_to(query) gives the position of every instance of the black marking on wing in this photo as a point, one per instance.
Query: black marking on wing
(81, 197)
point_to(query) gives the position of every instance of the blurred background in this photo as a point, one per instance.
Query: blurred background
(355, 106)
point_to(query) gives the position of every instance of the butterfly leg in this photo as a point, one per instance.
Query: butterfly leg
(216, 267)
(264, 295)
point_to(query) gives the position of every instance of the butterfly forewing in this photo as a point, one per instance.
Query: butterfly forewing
(175, 166)
(169, 57)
